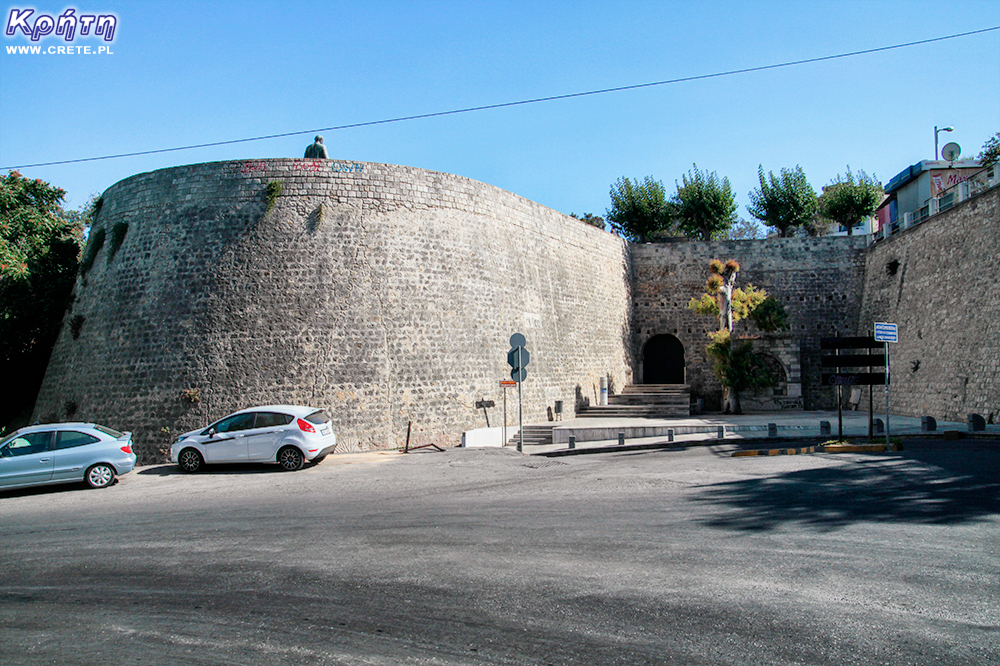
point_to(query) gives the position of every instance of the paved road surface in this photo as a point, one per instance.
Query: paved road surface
(487, 557)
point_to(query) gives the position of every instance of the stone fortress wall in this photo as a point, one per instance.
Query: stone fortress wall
(382, 293)
(939, 282)
(388, 294)
(818, 280)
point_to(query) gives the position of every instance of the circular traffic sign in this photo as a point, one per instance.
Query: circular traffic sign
(517, 340)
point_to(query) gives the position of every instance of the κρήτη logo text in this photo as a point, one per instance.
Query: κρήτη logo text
(67, 25)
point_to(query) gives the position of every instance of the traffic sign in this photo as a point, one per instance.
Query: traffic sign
(507, 383)
(518, 374)
(518, 358)
(886, 332)
(517, 340)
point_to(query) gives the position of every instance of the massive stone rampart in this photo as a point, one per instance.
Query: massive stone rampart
(382, 293)
(938, 282)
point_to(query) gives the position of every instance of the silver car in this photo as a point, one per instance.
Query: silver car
(289, 435)
(65, 453)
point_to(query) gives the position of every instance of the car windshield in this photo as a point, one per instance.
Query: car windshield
(3, 442)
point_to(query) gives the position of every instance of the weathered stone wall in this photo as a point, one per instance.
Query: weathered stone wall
(938, 282)
(382, 293)
(819, 281)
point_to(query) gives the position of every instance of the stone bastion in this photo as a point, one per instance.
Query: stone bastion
(384, 294)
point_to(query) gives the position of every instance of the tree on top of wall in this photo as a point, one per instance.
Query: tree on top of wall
(990, 154)
(737, 366)
(785, 202)
(850, 200)
(639, 210)
(704, 207)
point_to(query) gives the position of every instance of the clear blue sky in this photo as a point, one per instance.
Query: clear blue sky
(184, 73)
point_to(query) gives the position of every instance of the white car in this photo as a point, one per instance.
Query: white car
(289, 435)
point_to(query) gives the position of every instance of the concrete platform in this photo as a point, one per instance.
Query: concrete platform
(594, 433)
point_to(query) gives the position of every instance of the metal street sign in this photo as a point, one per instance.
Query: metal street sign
(518, 358)
(847, 343)
(886, 332)
(852, 361)
(854, 379)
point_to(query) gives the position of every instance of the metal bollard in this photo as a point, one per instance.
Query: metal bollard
(824, 427)
(670, 434)
(621, 439)
(572, 442)
(772, 429)
(879, 426)
(722, 432)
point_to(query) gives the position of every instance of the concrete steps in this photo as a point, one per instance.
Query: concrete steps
(534, 435)
(650, 401)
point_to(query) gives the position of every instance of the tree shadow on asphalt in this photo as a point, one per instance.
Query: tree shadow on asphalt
(931, 483)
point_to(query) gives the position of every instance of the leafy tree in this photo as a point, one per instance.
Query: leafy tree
(704, 206)
(850, 199)
(736, 366)
(592, 220)
(639, 211)
(783, 202)
(990, 153)
(39, 251)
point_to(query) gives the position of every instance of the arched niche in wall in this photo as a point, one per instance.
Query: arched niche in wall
(663, 360)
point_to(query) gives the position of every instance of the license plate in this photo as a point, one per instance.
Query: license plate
(324, 431)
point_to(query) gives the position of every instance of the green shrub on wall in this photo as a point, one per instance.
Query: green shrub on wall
(94, 246)
(117, 238)
(272, 192)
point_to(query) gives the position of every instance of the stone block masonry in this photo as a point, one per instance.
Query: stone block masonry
(938, 282)
(381, 293)
(819, 281)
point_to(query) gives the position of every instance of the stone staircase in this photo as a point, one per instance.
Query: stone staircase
(534, 435)
(648, 401)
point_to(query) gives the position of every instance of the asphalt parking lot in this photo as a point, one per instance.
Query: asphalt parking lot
(485, 556)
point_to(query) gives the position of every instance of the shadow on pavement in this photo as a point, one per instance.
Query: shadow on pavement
(931, 482)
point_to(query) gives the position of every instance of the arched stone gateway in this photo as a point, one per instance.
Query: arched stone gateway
(663, 360)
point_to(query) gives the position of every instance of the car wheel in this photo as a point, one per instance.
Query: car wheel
(100, 475)
(291, 459)
(190, 461)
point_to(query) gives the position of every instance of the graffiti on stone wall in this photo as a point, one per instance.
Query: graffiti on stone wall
(256, 168)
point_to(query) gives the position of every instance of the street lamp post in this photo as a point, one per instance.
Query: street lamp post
(936, 132)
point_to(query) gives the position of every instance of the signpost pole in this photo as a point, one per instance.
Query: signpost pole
(520, 408)
(887, 395)
(504, 416)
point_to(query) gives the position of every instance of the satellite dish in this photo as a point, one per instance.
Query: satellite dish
(951, 151)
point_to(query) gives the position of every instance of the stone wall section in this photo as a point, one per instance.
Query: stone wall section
(385, 294)
(819, 281)
(938, 282)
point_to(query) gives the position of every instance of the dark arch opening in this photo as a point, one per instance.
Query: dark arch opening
(663, 360)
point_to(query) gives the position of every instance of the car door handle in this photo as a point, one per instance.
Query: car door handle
(43, 461)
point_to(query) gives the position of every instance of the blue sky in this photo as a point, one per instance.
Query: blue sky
(183, 73)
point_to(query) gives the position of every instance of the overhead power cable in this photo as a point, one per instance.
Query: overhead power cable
(502, 105)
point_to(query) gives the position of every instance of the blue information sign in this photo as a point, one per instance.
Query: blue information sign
(886, 332)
